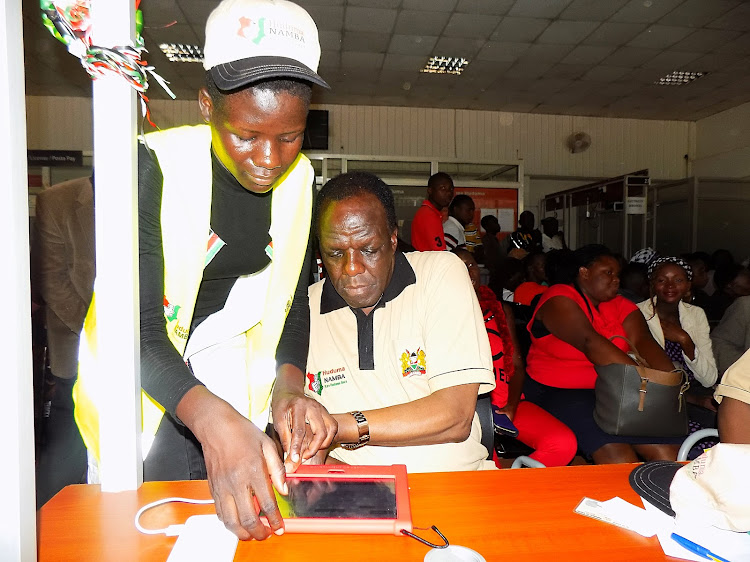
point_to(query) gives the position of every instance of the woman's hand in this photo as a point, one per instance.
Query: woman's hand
(674, 332)
(509, 410)
(704, 401)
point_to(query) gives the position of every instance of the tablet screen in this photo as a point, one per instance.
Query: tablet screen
(339, 498)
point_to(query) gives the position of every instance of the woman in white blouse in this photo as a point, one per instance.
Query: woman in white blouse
(682, 330)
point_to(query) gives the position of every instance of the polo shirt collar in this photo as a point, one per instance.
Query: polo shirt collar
(429, 204)
(403, 276)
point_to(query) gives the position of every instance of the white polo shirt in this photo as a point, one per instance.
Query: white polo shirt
(426, 334)
(735, 382)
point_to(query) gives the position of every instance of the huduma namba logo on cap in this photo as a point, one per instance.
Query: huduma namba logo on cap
(257, 30)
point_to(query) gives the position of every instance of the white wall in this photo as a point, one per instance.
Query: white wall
(723, 144)
(618, 146)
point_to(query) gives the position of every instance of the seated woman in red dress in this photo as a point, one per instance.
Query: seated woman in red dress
(570, 333)
(553, 442)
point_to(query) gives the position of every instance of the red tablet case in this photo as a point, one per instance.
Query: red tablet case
(396, 473)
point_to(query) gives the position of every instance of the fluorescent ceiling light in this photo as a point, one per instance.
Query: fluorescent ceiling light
(177, 52)
(679, 78)
(445, 65)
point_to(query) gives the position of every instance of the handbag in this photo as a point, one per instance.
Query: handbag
(638, 401)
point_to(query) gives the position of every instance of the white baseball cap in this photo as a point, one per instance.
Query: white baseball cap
(714, 489)
(252, 40)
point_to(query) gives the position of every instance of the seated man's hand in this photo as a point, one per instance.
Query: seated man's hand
(242, 464)
(304, 426)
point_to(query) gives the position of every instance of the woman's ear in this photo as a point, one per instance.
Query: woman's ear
(583, 273)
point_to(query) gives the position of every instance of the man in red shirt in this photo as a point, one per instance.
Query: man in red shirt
(427, 227)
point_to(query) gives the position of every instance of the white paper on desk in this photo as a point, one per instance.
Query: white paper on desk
(732, 546)
(618, 512)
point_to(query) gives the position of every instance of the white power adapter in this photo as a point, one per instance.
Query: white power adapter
(204, 537)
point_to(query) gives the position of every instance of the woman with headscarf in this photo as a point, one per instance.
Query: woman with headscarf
(682, 330)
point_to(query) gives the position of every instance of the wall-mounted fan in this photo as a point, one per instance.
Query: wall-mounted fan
(578, 142)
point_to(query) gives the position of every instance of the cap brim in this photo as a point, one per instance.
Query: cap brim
(243, 72)
(652, 481)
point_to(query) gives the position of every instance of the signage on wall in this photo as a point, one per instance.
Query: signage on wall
(501, 202)
(636, 206)
(54, 158)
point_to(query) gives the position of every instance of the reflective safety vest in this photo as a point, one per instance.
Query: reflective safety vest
(184, 155)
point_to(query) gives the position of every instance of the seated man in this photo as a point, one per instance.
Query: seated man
(733, 394)
(398, 349)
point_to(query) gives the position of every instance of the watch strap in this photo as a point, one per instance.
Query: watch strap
(363, 427)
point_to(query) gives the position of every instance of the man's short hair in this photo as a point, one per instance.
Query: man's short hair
(434, 178)
(486, 220)
(297, 88)
(351, 184)
(458, 200)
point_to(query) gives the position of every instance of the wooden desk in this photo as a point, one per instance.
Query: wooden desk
(505, 515)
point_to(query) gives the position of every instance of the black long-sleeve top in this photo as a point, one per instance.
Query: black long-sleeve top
(242, 220)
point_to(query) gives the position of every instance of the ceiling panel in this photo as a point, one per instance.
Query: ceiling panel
(365, 41)
(736, 19)
(492, 7)
(614, 33)
(671, 60)
(697, 13)
(544, 53)
(587, 54)
(592, 57)
(591, 10)
(434, 5)
(369, 19)
(659, 37)
(602, 73)
(413, 22)
(567, 32)
(538, 9)
(519, 30)
(645, 11)
(502, 52)
(471, 25)
(412, 45)
(705, 40)
(327, 17)
(630, 56)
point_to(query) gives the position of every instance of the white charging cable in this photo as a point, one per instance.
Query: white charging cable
(172, 530)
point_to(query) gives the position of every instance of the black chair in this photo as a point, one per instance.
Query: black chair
(484, 412)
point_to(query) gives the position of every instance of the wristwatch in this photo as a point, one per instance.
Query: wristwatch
(364, 432)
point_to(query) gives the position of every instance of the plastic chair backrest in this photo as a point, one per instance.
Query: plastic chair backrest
(692, 439)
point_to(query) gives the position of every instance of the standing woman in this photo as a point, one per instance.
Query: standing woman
(224, 224)
(682, 330)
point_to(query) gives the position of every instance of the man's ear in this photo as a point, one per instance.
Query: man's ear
(206, 104)
(394, 239)
(583, 272)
